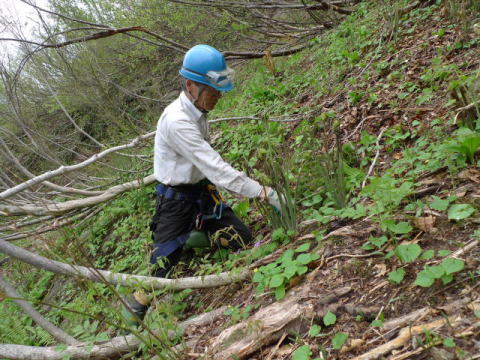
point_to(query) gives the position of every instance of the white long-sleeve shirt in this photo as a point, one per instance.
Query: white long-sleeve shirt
(183, 155)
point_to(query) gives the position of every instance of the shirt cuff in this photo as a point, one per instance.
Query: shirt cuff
(251, 188)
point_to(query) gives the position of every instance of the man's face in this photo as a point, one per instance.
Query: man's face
(208, 98)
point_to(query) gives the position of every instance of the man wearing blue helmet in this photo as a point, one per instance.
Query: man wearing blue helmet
(190, 212)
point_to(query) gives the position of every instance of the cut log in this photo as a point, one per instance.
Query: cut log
(291, 315)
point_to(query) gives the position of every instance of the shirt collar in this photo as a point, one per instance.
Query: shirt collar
(188, 105)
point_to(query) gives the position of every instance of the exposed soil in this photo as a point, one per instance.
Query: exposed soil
(367, 275)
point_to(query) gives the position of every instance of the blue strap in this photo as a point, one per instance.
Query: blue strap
(169, 192)
(168, 247)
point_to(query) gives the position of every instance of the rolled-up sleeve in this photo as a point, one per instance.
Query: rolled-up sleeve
(186, 139)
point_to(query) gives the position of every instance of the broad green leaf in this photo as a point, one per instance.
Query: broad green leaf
(303, 248)
(257, 277)
(302, 353)
(304, 259)
(276, 281)
(443, 253)
(280, 292)
(378, 241)
(367, 246)
(396, 276)
(436, 271)
(287, 255)
(329, 319)
(338, 340)
(447, 279)
(477, 313)
(402, 227)
(290, 271)
(408, 252)
(314, 330)
(439, 204)
(424, 279)
(460, 211)
(428, 254)
(452, 265)
(302, 270)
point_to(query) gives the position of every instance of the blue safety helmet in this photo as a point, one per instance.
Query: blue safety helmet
(206, 65)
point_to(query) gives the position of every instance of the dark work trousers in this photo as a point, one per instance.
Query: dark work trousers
(175, 219)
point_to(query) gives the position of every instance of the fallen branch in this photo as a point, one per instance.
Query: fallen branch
(104, 276)
(465, 249)
(53, 330)
(110, 349)
(55, 225)
(405, 335)
(61, 208)
(377, 144)
(66, 169)
(269, 324)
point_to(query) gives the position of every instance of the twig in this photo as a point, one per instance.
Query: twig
(376, 157)
(275, 349)
(463, 250)
(351, 256)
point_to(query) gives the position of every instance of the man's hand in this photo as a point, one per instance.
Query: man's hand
(270, 195)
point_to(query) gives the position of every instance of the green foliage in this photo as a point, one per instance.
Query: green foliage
(439, 204)
(444, 271)
(314, 330)
(237, 314)
(408, 253)
(338, 340)
(400, 228)
(460, 211)
(466, 144)
(302, 353)
(275, 276)
(329, 318)
(396, 276)
(374, 242)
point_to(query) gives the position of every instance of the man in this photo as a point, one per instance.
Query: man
(189, 210)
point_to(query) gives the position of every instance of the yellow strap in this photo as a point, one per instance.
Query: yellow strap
(216, 196)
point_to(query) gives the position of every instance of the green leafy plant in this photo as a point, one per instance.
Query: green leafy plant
(302, 353)
(276, 275)
(396, 276)
(338, 340)
(460, 211)
(329, 318)
(439, 204)
(466, 144)
(444, 271)
(374, 242)
(408, 252)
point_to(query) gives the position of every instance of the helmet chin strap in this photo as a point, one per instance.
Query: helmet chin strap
(201, 88)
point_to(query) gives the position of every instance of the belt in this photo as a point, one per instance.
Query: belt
(170, 192)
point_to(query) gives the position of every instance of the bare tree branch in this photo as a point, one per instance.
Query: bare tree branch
(66, 169)
(255, 55)
(64, 207)
(214, 3)
(103, 276)
(111, 349)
